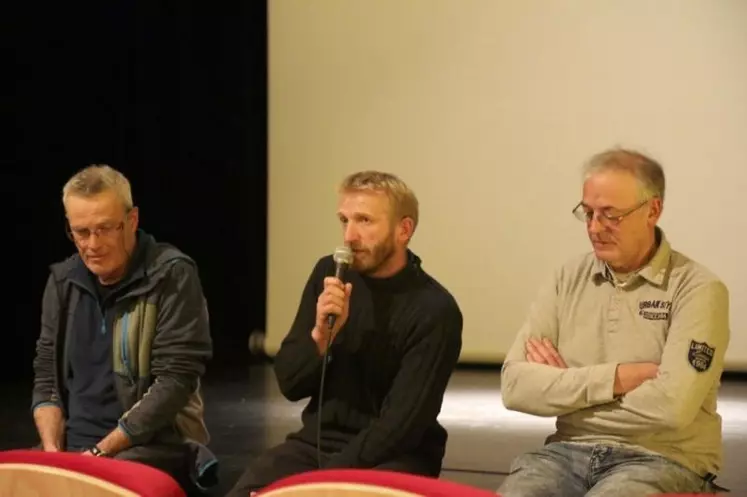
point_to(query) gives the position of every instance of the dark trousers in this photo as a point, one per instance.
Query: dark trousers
(294, 456)
(171, 459)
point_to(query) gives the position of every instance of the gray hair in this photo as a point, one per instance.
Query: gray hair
(647, 171)
(96, 179)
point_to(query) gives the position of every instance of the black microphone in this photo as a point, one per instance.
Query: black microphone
(343, 257)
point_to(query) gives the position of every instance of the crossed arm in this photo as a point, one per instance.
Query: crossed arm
(630, 398)
(536, 380)
(628, 376)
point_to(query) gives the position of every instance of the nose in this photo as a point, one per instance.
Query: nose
(351, 234)
(594, 225)
(93, 241)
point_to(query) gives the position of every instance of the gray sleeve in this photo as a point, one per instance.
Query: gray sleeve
(44, 365)
(691, 364)
(544, 390)
(181, 348)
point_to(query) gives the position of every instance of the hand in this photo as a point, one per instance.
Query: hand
(630, 376)
(542, 351)
(335, 299)
(51, 448)
(87, 453)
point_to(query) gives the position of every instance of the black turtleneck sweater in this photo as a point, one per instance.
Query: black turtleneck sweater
(387, 370)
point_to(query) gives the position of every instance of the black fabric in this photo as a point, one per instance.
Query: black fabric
(175, 460)
(94, 408)
(103, 291)
(387, 371)
(296, 456)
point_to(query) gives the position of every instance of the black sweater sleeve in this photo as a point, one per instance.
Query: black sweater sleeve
(298, 365)
(416, 395)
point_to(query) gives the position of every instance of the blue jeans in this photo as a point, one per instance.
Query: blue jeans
(564, 469)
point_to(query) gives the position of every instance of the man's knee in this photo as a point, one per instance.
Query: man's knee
(648, 475)
(289, 458)
(260, 472)
(412, 465)
(546, 472)
(172, 460)
(155, 455)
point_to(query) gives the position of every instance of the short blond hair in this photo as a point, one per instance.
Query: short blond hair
(402, 199)
(96, 179)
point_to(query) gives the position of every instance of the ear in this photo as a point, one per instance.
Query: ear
(654, 212)
(405, 229)
(134, 218)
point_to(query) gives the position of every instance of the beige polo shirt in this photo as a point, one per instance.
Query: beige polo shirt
(673, 312)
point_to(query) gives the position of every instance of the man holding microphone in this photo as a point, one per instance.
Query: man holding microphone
(392, 347)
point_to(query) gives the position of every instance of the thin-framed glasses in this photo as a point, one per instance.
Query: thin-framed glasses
(607, 216)
(82, 235)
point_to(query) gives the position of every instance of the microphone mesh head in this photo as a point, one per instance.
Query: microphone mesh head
(343, 255)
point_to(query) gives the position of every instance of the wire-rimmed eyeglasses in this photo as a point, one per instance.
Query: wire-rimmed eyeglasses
(608, 216)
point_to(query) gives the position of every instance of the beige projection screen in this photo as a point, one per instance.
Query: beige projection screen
(487, 108)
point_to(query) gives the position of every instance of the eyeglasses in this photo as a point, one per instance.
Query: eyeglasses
(82, 235)
(607, 216)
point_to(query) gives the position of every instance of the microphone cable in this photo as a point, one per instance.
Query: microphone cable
(321, 396)
(343, 258)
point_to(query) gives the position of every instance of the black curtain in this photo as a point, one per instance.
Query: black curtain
(173, 94)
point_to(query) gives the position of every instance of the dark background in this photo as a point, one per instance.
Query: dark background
(173, 94)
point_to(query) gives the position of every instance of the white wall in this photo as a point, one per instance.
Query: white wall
(487, 109)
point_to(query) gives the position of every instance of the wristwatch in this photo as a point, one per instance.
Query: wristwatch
(97, 452)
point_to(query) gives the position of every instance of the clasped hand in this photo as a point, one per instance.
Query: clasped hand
(542, 351)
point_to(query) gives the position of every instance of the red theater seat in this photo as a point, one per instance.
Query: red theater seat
(360, 483)
(27, 473)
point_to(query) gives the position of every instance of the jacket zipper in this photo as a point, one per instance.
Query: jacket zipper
(124, 348)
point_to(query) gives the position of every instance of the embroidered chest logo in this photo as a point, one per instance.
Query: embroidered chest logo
(700, 355)
(654, 310)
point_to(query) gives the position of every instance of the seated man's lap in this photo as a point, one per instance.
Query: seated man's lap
(172, 459)
(638, 473)
(288, 458)
(554, 470)
(564, 469)
(411, 464)
(294, 456)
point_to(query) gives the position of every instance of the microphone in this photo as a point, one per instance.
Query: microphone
(343, 257)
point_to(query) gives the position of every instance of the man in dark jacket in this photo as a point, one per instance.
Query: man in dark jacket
(124, 340)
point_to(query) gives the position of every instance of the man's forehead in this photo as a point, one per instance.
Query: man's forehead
(363, 201)
(611, 186)
(95, 207)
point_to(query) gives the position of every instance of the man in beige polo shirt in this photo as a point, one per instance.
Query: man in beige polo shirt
(625, 346)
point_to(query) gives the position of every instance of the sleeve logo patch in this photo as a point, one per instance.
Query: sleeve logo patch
(700, 355)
